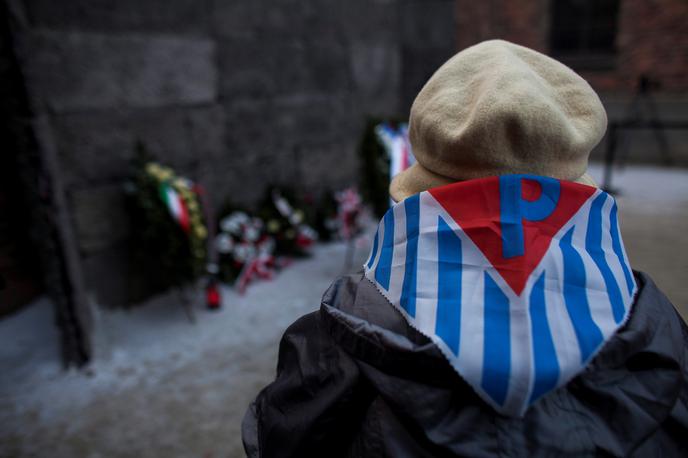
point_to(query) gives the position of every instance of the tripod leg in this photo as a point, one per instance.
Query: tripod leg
(659, 132)
(609, 159)
(660, 136)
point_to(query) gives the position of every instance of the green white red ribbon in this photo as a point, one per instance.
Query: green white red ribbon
(176, 205)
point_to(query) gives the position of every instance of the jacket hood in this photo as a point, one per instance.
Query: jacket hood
(622, 397)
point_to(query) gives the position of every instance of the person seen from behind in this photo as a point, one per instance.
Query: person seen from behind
(498, 313)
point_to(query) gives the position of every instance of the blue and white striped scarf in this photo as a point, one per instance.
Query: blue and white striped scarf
(519, 279)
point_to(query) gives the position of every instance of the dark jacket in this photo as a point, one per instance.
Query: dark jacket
(354, 379)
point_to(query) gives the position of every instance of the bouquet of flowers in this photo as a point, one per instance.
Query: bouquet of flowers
(241, 240)
(349, 208)
(286, 224)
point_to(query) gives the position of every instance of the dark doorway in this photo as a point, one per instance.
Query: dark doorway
(19, 269)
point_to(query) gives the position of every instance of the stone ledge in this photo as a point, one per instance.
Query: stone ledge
(73, 71)
(176, 16)
(99, 145)
(100, 216)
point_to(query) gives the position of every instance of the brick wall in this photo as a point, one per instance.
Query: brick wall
(652, 40)
(651, 37)
(519, 21)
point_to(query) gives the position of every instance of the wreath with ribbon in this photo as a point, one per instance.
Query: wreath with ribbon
(171, 231)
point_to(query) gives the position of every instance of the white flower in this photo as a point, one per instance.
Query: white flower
(266, 247)
(224, 243)
(257, 222)
(332, 224)
(308, 232)
(282, 204)
(296, 218)
(232, 224)
(244, 252)
(251, 233)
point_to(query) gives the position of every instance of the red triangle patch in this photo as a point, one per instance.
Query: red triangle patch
(475, 206)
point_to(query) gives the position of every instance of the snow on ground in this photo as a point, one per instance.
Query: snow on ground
(646, 185)
(161, 386)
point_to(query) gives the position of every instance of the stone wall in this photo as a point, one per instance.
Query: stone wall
(520, 21)
(234, 94)
(651, 40)
(428, 40)
(651, 37)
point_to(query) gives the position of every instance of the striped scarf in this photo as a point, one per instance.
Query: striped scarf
(519, 279)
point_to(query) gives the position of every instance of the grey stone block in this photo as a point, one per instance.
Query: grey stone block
(263, 69)
(256, 19)
(258, 154)
(272, 142)
(207, 132)
(285, 21)
(118, 276)
(100, 216)
(99, 146)
(244, 182)
(301, 121)
(428, 23)
(176, 16)
(376, 71)
(249, 128)
(428, 39)
(235, 19)
(369, 20)
(419, 65)
(247, 70)
(79, 71)
(329, 167)
(270, 127)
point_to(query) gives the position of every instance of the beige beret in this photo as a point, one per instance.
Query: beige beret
(498, 108)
